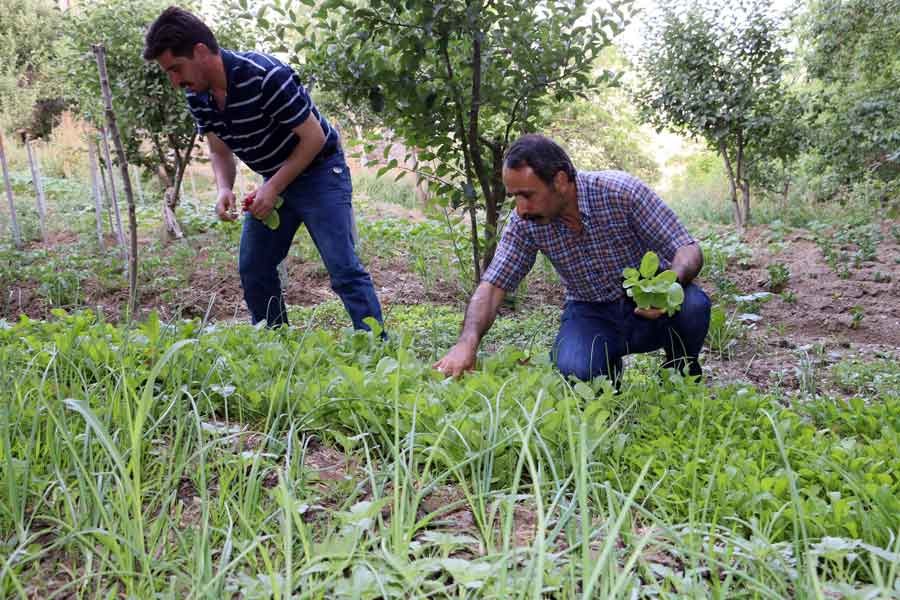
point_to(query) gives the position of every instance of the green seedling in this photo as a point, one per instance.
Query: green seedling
(779, 276)
(856, 316)
(652, 290)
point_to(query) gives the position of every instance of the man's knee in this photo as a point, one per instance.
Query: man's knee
(696, 302)
(348, 277)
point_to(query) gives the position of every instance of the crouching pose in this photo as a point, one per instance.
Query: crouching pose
(591, 225)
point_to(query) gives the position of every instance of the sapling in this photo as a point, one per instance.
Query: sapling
(652, 290)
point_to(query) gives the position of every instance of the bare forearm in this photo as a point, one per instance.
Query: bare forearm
(225, 170)
(480, 313)
(687, 263)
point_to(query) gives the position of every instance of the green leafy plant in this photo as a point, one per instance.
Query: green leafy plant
(779, 276)
(856, 316)
(652, 290)
(724, 332)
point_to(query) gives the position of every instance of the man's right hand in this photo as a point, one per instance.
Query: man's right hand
(459, 358)
(225, 206)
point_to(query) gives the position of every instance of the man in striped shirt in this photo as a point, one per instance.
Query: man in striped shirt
(591, 225)
(252, 106)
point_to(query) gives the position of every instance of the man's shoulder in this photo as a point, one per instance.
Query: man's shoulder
(610, 180)
(251, 62)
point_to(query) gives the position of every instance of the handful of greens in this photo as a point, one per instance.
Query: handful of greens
(273, 219)
(652, 290)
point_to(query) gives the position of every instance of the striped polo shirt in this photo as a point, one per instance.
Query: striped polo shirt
(622, 219)
(264, 102)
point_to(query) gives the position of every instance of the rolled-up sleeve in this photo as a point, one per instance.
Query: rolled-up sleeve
(513, 259)
(283, 98)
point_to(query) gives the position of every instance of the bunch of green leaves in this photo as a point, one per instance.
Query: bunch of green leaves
(652, 290)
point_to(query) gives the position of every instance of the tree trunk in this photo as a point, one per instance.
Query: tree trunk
(745, 193)
(38, 186)
(464, 135)
(137, 180)
(494, 197)
(100, 53)
(421, 186)
(95, 189)
(183, 163)
(363, 157)
(14, 223)
(732, 185)
(104, 187)
(173, 194)
(113, 194)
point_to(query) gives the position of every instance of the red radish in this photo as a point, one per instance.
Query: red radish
(248, 200)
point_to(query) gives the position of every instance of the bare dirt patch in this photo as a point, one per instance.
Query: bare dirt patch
(811, 325)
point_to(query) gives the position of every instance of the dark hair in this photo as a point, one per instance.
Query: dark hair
(545, 157)
(177, 30)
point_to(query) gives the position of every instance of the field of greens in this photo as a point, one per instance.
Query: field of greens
(193, 460)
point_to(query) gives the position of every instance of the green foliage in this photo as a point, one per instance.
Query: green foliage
(852, 56)
(155, 124)
(714, 71)
(193, 459)
(28, 30)
(457, 81)
(652, 290)
(152, 116)
(600, 129)
(779, 277)
(725, 330)
(879, 377)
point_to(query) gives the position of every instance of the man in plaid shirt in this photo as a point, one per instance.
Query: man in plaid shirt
(591, 225)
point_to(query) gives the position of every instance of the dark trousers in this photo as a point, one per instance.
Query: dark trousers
(594, 336)
(319, 198)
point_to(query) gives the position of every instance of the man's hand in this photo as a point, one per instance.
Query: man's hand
(650, 313)
(225, 206)
(263, 201)
(459, 358)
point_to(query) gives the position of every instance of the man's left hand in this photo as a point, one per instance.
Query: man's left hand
(650, 313)
(263, 202)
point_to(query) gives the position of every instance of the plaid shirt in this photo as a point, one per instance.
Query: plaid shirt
(622, 219)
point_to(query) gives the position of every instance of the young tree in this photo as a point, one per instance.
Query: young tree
(713, 70)
(852, 57)
(601, 129)
(28, 29)
(157, 130)
(457, 80)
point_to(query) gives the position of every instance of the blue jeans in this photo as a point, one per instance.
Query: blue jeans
(594, 336)
(319, 198)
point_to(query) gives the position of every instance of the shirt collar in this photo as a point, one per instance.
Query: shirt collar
(581, 193)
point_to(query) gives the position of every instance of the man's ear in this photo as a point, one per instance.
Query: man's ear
(200, 50)
(560, 180)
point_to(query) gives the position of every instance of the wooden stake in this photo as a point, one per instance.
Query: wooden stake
(38, 186)
(14, 224)
(100, 53)
(137, 180)
(95, 189)
(114, 196)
